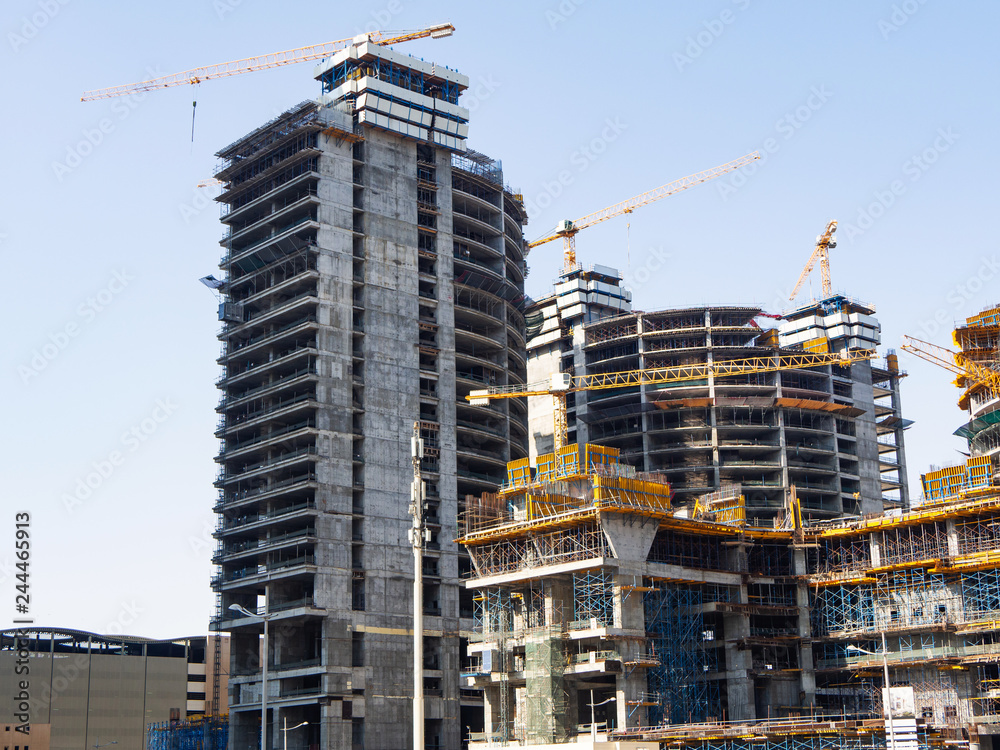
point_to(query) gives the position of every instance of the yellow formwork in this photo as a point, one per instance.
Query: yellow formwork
(632, 491)
(519, 473)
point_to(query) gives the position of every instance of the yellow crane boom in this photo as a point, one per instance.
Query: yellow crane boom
(824, 243)
(967, 370)
(568, 229)
(263, 62)
(562, 383)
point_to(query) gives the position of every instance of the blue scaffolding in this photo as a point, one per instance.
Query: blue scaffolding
(805, 742)
(675, 628)
(202, 733)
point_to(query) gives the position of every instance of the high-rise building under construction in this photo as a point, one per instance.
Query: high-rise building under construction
(611, 610)
(373, 276)
(835, 433)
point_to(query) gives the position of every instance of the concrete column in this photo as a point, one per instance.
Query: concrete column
(952, 531)
(807, 668)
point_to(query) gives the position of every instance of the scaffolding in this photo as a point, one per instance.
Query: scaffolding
(770, 559)
(536, 604)
(980, 534)
(912, 543)
(201, 733)
(841, 554)
(583, 542)
(593, 599)
(547, 707)
(675, 630)
(981, 595)
(935, 696)
(929, 579)
(494, 611)
(814, 742)
(688, 550)
(895, 600)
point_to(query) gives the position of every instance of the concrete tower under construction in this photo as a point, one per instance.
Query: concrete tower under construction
(373, 276)
(833, 432)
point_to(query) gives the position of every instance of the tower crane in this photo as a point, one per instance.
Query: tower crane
(562, 383)
(569, 229)
(263, 62)
(969, 372)
(824, 243)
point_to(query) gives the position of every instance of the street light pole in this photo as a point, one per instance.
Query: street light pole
(263, 676)
(288, 729)
(890, 731)
(593, 720)
(888, 696)
(417, 540)
(266, 617)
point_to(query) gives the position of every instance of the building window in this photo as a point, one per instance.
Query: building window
(357, 649)
(357, 734)
(358, 594)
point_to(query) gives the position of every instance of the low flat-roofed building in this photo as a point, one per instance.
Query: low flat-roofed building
(86, 690)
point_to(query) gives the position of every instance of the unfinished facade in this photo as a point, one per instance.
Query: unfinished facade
(833, 432)
(605, 610)
(373, 275)
(978, 339)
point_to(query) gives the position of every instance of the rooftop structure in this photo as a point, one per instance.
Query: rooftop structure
(837, 322)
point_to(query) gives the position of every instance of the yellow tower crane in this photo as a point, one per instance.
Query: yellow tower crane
(969, 372)
(568, 229)
(263, 62)
(562, 383)
(824, 243)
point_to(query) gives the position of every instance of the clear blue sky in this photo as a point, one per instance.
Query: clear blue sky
(879, 114)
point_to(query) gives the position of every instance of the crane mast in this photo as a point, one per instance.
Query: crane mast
(824, 243)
